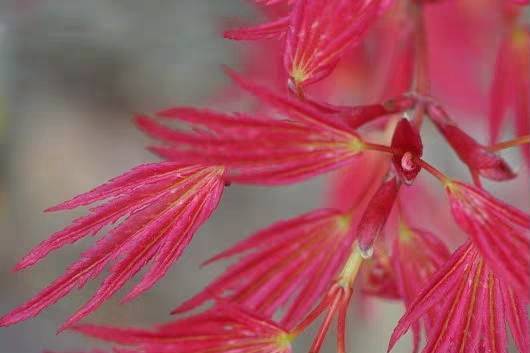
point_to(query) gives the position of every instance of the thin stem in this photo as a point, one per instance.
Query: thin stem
(363, 114)
(419, 115)
(319, 338)
(351, 268)
(324, 304)
(295, 88)
(476, 179)
(387, 149)
(444, 179)
(378, 147)
(341, 328)
(421, 82)
(522, 140)
(299, 91)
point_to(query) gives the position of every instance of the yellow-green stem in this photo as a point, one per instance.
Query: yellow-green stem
(521, 140)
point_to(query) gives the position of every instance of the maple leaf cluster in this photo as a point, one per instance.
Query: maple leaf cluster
(394, 66)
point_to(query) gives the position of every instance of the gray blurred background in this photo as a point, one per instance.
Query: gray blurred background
(74, 72)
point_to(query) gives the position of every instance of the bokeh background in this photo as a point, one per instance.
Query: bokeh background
(73, 73)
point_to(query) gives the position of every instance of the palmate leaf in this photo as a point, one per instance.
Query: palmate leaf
(288, 265)
(227, 328)
(416, 255)
(158, 208)
(317, 34)
(257, 149)
(320, 32)
(476, 311)
(501, 232)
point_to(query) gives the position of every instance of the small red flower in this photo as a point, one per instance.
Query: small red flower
(407, 143)
(376, 214)
(223, 329)
(473, 305)
(288, 265)
(479, 160)
(407, 148)
(160, 206)
(500, 232)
